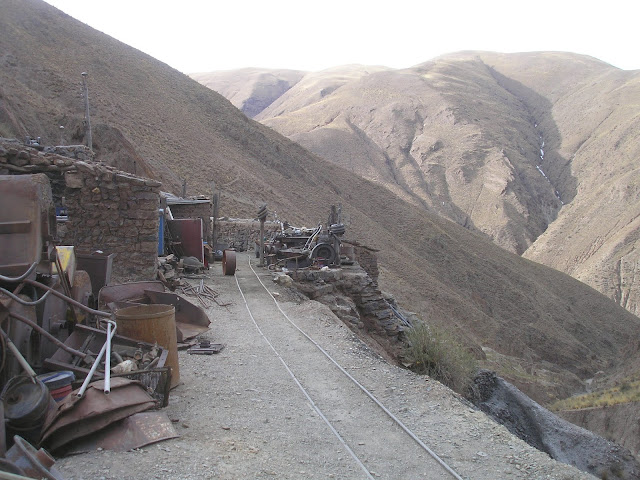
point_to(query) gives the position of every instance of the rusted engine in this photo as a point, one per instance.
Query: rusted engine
(301, 247)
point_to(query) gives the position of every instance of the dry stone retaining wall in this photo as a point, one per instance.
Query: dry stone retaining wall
(352, 295)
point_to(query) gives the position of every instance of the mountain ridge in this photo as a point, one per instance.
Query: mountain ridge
(150, 113)
(510, 144)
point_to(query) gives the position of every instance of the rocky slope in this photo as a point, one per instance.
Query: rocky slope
(531, 149)
(151, 117)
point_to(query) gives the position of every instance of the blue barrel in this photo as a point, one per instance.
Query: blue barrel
(161, 233)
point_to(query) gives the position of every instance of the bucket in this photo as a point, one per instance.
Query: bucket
(58, 383)
(152, 323)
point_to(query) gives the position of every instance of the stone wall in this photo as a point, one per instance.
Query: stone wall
(242, 234)
(352, 295)
(368, 260)
(108, 210)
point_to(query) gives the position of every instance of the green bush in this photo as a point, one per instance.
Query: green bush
(435, 352)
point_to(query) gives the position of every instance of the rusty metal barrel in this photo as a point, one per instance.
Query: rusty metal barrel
(153, 323)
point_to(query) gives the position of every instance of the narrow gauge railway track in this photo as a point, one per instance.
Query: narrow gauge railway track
(365, 428)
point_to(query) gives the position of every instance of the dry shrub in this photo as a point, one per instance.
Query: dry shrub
(435, 352)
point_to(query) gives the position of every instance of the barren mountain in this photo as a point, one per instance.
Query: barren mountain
(250, 89)
(538, 151)
(151, 119)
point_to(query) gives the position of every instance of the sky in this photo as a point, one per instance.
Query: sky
(208, 35)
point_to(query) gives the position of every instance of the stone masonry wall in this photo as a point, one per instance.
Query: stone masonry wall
(242, 234)
(368, 261)
(108, 210)
(352, 295)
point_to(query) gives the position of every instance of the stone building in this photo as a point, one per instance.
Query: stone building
(105, 209)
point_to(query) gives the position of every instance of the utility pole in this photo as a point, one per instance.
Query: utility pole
(86, 110)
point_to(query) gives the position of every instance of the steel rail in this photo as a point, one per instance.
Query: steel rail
(397, 421)
(304, 391)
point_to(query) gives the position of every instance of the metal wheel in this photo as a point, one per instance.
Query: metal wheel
(324, 251)
(229, 262)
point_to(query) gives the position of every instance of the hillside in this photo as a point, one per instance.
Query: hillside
(149, 116)
(250, 89)
(531, 149)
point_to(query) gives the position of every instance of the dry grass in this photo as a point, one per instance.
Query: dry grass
(435, 352)
(626, 392)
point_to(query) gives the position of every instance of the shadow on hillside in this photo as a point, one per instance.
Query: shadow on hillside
(556, 168)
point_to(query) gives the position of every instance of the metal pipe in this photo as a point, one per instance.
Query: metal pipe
(21, 360)
(107, 358)
(69, 300)
(21, 301)
(21, 277)
(50, 337)
(94, 367)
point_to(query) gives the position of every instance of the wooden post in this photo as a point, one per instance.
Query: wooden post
(262, 216)
(86, 110)
(262, 242)
(214, 208)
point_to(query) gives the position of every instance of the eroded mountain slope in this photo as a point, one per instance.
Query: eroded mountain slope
(596, 236)
(181, 129)
(508, 144)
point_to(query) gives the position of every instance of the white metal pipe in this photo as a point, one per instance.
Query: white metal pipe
(85, 384)
(107, 359)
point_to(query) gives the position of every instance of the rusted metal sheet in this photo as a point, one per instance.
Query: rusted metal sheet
(77, 417)
(191, 320)
(133, 432)
(132, 291)
(187, 234)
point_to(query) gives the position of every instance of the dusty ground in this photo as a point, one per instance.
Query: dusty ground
(240, 414)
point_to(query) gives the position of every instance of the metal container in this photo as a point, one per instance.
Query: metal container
(27, 220)
(26, 405)
(153, 323)
(58, 383)
(98, 266)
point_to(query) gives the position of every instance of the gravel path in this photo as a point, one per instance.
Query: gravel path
(240, 415)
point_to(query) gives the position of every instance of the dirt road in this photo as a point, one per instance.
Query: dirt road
(242, 415)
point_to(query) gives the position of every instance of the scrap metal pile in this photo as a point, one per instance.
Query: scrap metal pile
(299, 247)
(55, 335)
